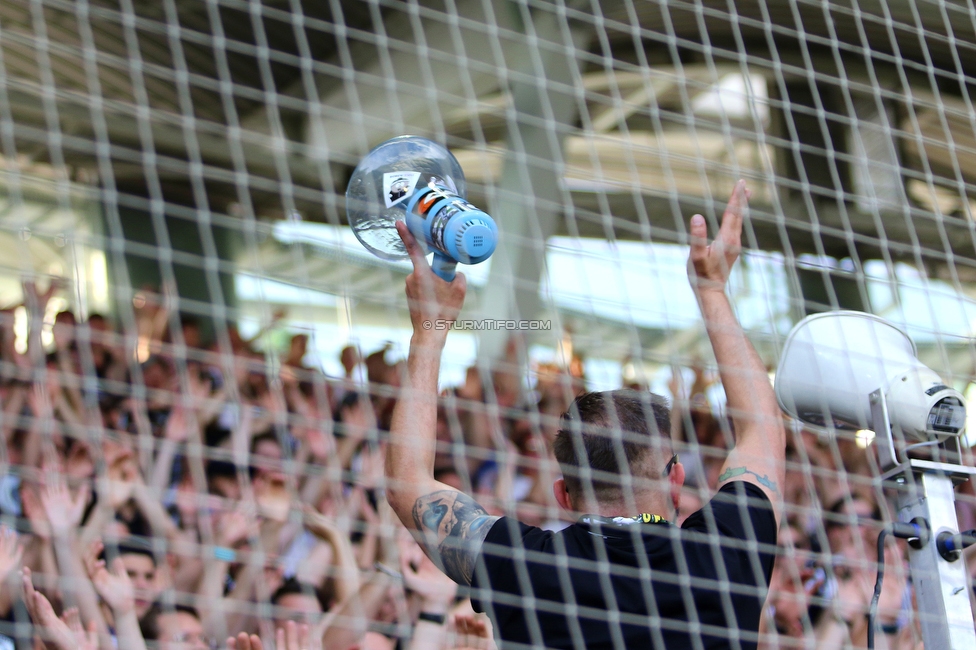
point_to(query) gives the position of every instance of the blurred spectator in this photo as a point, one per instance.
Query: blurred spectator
(140, 567)
(171, 494)
(795, 581)
(297, 349)
(175, 628)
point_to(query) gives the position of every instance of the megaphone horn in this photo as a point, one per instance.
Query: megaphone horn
(418, 181)
(832, 362)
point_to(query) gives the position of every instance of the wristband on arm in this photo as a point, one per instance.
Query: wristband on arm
(432, 618)
(224, 554)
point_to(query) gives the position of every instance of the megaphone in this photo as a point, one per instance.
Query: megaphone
(416, 180)
(833, 362)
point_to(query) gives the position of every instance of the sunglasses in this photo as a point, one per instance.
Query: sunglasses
(667, 468)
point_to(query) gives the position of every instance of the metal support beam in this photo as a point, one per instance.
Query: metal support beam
(408, 75)
(530, 199)
(876, 172)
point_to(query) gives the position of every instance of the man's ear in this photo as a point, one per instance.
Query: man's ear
(676, 480)
(561, 493)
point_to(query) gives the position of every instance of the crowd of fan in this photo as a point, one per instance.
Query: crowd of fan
(157, 492)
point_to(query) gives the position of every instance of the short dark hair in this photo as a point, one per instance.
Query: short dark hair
(601, 425)
(131, 546)
(293, 585)
(268, 435)
(220, 469)
(188, 320)
(149, 623)
(349, 400)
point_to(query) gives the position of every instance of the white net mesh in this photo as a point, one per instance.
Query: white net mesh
(200, 362)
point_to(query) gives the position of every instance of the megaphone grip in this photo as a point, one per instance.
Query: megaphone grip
(443, 267)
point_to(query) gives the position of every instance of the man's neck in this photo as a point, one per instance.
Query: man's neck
(655, 504)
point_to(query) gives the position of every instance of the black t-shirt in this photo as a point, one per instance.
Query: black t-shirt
(588, 587)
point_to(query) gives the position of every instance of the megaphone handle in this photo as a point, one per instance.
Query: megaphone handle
(443, 267)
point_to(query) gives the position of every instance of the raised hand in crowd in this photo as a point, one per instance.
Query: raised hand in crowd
(346, 571)
(64, 512)
(206, 402)
(436, 592)
(368, 551)
(296, 636)
(357, 420)
(314, 430)
(41, 396)
(122, 491)
(116, 590)
(40, 401)
(36, 306)
(14, 362)
(233, 532)
(114, 587)
(11, 552)
(176, 432)
(66, 633)
(236, 526)
(233, 529)
(371, 475)
(422, 577)
(472, 631)
(121, 474)
(846, 619)
(62, 509)
(85, 638)
(319, 444)
(245, 641)
(292, 637)
(34, 512)
(177, 427)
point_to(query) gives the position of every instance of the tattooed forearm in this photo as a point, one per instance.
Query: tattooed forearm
(763, 480)
(452, 527)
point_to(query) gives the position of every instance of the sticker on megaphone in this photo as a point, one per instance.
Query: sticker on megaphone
(418, 181)
(450, 225)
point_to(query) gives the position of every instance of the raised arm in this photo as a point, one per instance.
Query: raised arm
(116, 590)
(760, 445)
(64, 513)
(449, 524)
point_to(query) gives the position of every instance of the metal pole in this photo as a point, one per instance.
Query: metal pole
(925, 490)
(941, 587)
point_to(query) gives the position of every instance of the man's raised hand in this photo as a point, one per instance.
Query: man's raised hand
(709, 265)
(431, 299)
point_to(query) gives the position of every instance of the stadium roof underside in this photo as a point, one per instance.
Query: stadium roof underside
(262, 110)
